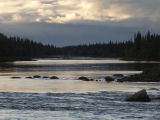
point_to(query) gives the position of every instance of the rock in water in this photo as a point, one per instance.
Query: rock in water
(84, 78)
(29, 77)
(36, 76)
(54, 77)
(109, 79)
(15, 77)
(140, 96)
(45, 77)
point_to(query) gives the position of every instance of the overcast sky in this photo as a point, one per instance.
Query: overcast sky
(72, 22)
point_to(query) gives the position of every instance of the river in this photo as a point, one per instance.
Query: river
(70, 99)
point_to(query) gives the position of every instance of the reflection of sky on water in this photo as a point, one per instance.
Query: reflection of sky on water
(71, 69)
(68, 71)
(64, 62)
(60, 86)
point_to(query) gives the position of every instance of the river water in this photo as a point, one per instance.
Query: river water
(70, 99)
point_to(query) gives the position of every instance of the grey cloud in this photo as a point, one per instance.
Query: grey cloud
(96, 10)
(84, 21)
(48, 1)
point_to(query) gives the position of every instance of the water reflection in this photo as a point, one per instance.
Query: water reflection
(58, 99)
(73, 68)
(77, 64)
(65, 86)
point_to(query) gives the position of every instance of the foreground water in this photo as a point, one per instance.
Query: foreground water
(69, 98)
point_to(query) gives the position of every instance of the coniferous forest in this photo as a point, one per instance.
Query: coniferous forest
(16, 48)
(142, 47)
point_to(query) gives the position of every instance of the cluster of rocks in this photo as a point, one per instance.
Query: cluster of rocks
(107, 79)
(122, 78)
(115, 77)
(140, 96)
(130, 78)
(87, 79)
(37, 76)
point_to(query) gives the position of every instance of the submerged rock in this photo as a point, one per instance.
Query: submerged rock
(36, 76)
(91, 79)
(109, 79)
(29, 77)
(140, 96)
(15, 77)
(54, 77)
(118, 75)
(84, 78)
(45, 77)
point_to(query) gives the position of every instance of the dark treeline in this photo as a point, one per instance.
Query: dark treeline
(145, 47)
(19, 48)
(142, 47)
(97, 50)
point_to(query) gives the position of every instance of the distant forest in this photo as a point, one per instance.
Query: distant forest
(16, 48)
(142, 47)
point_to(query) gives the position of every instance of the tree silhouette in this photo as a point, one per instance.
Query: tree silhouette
(142, 47)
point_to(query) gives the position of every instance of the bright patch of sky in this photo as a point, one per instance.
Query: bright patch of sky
(114, 16)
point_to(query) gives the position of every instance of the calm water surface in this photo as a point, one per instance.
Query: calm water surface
(72, 99)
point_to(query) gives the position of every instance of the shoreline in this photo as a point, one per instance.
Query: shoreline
(3, 59)
(148, 75)
(12, 59)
